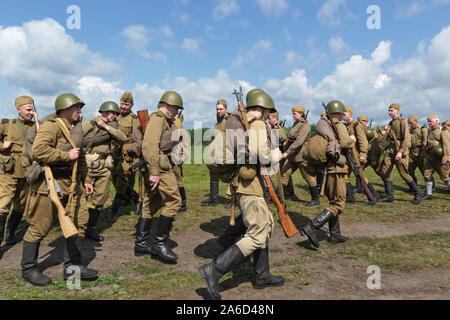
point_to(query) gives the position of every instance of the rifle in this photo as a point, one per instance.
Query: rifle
(306, 115)
(67, 226)
(370, 125)
(358, 174)
(288, 226)
(324, 180)
(143, 120)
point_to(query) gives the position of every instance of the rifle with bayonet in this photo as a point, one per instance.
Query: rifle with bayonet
(358, 173)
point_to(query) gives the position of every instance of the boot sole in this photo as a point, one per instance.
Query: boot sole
(204, 276)
(258, 287)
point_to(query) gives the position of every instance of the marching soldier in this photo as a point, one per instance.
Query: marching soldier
(358, 152)
(99, 134)
(160, 180)
(256, 215)
(51, 135)
(298, 136)
(376, 144)
(122, 179)
(437, 156)
(416, 153)
(222, 116)
(337, 170)
(398, 154)
(13, 185)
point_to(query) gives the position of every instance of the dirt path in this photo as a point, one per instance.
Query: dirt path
(344, 280)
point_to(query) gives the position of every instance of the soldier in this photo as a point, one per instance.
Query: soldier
(437, 156)
(50, 136)
(161, 185)
(446, 125)
(222, 116)
(298, 136)
(122, 179)
(99, 133)
(359, 154)
(416, 153)
(13, 186)
(337, 170)
(255, 213)
(178, 168)
(397, 154)
(376, 144)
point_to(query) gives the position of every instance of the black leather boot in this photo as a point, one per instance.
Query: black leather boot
(11, 227)
(290, 188)
(159, 246)
(215, 270)
(91, 233)
(350, 197)
(373, 191)
(213, 195)
(142, 243)
(358, 187)
(30, 272)
(183, 207)
(2, 227)
(418, 195)
(132, 194)
(315, 197)
(115, 208)
(389, 191)
(335, 231)
(263, 277)
(313, 227)
(72, 262)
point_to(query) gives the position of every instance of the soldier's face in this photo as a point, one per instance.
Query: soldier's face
(414, 124)
(25, 112)
(109, 116)
(364, 123)
(393, 112)
(273, 120)
(221, 110)
(169, 110)
(125, 107)
(446, 127)
(433, 123)
(72, 114)
(347, 116)
(296, 115)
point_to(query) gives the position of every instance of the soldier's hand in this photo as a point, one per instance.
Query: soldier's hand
(284, 156)
(444, 161)
(102, 124)
(154, 182)
(89, 188)
(398, 156)
(353, 138)
(7, 144)
(362, 160)
(74, 153)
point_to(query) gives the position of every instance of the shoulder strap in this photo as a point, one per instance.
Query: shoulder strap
(22, 129)
(8, 135)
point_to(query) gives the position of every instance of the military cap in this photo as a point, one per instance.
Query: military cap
(363, 117)
(23, 100)
(446, 122)
(274, 114)
(127, 97)
(222, 102)
(395, 106)
(433, 116)
(298, 109)
(412, 117)
(349, 109)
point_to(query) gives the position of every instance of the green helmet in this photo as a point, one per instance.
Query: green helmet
(172, 98)
(369, 133)
(109, 106)
(335, 106)
(260, 99)
(67, 100)
(252, 92)
(437, 152)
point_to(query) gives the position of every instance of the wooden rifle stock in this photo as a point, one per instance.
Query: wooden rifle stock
(67, 227)
(143, 120)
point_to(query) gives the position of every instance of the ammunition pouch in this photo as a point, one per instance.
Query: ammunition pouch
(248, 172)
(93, 161)
(164, 162)
(7, 163)
(33, 173)
(109, 162)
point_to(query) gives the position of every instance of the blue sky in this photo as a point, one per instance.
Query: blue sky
(300, 52)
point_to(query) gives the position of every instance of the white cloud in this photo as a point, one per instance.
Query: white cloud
(273, 7)
(418, 6)
(261, 47)
(191, 45)
(42, 58)
(292, 59)
(138, 37)
(225, 8)
(332, 12)
(337, 45)
(382, 53)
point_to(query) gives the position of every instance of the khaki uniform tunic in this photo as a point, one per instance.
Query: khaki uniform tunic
(416, 156)
(121, 177)
(99, 174)
(13, 185)
(42, 212)
(399, 127)
(220, 125)
(437, 136)
(361, 148)
(156, 149)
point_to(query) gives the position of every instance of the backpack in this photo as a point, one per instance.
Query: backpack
(222, 156)
(316, 150)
